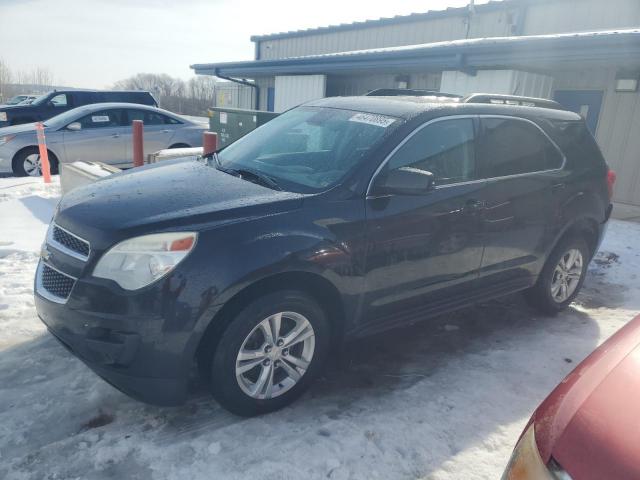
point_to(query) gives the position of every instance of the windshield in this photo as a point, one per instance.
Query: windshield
(41, 99)
(308, 149)
(66, 118)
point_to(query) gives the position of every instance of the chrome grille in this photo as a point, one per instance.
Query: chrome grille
(68, 243)
(53, 284)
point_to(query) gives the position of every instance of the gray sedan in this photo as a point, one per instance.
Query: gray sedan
(98, 133)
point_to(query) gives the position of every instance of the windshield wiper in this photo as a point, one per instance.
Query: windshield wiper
(249, 175)
(257, 177)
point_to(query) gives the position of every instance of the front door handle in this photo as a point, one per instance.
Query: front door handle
(558, 187)
(165, 131)
(115, 135)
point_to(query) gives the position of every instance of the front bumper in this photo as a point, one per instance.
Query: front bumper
(143, 343)
(116, 349)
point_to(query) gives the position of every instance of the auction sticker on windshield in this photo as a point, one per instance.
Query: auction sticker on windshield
(372, 119)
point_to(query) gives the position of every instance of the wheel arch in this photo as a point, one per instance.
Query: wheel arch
(315, 285)
(52, 155)
(584, 227)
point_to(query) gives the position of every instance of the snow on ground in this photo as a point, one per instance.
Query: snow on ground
(439, 401)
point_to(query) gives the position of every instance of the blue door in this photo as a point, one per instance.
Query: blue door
(271, 98)
(586, 103)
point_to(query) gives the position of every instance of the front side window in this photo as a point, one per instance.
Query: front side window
(59, 100)
(445, 148)
(308, 149)
(513, 147)
(102, 119)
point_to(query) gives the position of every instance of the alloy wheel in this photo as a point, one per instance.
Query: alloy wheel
(31, 165)
(275, 355)
(566, 275)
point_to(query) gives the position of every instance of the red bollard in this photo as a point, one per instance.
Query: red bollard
(138, 145)
(209, 143)
(44, 154)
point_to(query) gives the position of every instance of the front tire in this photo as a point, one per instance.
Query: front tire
(26, 163)
(270, 353)
(561, 278)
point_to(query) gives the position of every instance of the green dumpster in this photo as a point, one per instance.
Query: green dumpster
(232, 123)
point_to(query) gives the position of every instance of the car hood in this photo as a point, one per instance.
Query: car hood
(15, 108)
(185, 194)
(590, 424)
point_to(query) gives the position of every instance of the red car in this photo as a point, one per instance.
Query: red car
(589, 427)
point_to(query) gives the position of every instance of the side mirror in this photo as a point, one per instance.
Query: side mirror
(405, 181)
(74, 126)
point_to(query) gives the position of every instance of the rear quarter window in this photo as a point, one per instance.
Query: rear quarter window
(577, 143)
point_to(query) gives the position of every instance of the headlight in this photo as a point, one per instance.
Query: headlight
(3, 116)
(526, 463)
(137, 262)
(6, 138)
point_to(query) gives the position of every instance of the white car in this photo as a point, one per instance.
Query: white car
(99, 132)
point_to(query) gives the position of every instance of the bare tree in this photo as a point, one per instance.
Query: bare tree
(192, 97)
(5, 79)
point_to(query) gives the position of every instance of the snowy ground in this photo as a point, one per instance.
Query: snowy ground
(443, 400)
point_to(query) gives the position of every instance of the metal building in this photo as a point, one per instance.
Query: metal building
(583, 53)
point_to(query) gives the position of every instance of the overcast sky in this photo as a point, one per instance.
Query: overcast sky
(92, 43)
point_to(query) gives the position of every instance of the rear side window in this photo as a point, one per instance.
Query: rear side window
(512, 147)
(150, 118)
(444, 148)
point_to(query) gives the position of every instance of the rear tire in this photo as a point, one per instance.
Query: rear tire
(26, 163)
(562, 276)
(270, 353)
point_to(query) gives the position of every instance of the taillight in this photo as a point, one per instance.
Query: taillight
(611, 181)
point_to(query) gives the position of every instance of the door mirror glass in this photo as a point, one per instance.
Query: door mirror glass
(404, 181)
(75, 126)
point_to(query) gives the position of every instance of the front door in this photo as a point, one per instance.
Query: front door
(424, 251)
(586, 103)
(99, 140)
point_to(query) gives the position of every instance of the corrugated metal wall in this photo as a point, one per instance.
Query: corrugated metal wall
(343, 85)
(292, 90)
(425, 31)
(581, 16)
(509, 82)
(538, 18)
(618, 127)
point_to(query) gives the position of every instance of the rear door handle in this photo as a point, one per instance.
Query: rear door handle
(473, 206)
(165, 131)
(115, 135)
(558, 187)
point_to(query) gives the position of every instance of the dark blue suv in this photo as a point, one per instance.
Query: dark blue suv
(339, 218)
(59, 101)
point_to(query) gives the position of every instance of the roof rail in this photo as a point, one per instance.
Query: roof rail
(498, 99)
(409, 92)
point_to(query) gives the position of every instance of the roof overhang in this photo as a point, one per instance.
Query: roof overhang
(526, 52)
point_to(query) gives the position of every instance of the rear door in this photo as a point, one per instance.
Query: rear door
(425, 250)
(158, 130)
(101, 138)
(524, 177)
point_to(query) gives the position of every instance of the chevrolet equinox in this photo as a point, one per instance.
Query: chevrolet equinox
(339, 218)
